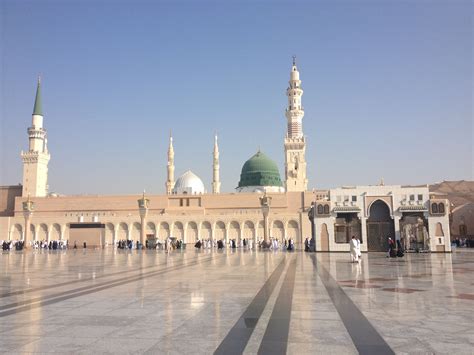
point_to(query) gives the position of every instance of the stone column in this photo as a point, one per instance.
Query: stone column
(311, 216)
(396, 224)
(265, 202)
(143, 208)
(114, 237)
(28, 208)
(363, 223)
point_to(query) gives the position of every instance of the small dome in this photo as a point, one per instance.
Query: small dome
(259, 171)
(189, 183)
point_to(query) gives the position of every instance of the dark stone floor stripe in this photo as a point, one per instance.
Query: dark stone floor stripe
(19, 307)
(42, 288)
(275, 339)
(364, 336)
(238, 337)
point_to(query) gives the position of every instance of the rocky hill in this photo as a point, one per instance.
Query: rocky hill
(459, 192)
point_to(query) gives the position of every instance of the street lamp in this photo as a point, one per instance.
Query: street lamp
(28, 208)
(143, 208)
(265, 202)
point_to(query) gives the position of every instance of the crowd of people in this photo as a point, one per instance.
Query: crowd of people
(168, 244)
(12, 245)
(35, 244)
(245, 243)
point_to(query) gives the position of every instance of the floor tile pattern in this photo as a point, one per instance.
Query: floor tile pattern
(201, 302)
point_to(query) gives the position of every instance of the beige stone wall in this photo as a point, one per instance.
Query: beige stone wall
(7, 199)
(209, 215)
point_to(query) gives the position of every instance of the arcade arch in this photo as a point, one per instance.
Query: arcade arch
(234, 231)
(55, 233)
(164, 232)
(206, 231)
(109, 233)
(192, 232)
(178, 231)
(220, 230)
(278, 231)
(380, 226)
(122, 233)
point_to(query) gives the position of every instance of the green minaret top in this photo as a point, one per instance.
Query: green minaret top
(38, 109)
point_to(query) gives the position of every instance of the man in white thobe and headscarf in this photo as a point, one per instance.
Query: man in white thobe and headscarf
(353, 249)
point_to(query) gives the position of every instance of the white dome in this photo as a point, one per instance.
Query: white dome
(189, 183)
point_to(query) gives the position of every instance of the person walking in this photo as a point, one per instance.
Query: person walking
(391, 248)
(168, 245)
(359, 253)
(353, 250)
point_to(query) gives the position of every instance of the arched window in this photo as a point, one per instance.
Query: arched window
(320, 209)
(434, 208)
(441, 208)
(326, 209)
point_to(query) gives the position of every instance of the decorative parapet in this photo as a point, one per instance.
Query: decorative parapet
(346, 209)
(412, 208)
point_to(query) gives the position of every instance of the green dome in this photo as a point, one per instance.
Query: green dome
(260, 170)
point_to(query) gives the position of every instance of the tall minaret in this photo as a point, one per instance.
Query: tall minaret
(35, 160)
(216, 182)
(170, 179)
(295, 144)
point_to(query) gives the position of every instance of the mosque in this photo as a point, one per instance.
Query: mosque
(412, 214)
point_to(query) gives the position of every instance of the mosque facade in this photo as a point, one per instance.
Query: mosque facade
(188, 212)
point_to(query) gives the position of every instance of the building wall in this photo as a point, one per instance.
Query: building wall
(398, 199)
(226, 215)
(7, 199)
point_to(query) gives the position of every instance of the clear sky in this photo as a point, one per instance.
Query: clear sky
(387, 85)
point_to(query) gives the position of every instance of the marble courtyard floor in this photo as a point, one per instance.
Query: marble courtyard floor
(114, 301)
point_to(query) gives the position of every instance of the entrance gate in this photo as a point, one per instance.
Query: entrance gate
(380, 226)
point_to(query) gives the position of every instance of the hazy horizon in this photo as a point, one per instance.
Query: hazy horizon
(387, 90)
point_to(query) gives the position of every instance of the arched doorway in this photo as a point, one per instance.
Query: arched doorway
(206, 231)
(192, 232)
(220, 231)
(324, 238)
(17, 232)
(122, 231)
(55, 232)
(136, 231)
(278, 231)
(380, 226)
(178, 231)
(234, 231)
(164, 231)
(43, 232)
(109, 234)
(293, 231)
(260, 231)
(150, 232)
(249, 230)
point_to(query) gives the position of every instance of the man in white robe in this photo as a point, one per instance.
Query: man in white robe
(359, 254)
(353, 250)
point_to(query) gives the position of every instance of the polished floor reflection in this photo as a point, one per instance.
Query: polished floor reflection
(202, 302)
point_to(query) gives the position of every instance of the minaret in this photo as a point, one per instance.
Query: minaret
(35, 160)
(170, 179)
(216, 182)
(295, 144)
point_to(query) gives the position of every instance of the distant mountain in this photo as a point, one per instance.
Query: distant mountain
(459, 192)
